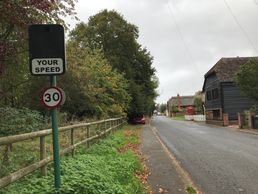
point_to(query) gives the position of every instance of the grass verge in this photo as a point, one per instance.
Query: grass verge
(108, 167)
(179, 118)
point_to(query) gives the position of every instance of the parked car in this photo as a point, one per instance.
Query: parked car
(139, 120)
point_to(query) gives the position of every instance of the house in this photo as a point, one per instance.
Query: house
(181, 102)
(221, 93)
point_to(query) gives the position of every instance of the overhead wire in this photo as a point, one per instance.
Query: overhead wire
(179, 31)
(240, 26)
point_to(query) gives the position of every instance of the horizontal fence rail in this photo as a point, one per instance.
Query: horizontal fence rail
(106, 126)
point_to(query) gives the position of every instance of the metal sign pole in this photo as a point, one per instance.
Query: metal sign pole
(55, 142)
(47, 58)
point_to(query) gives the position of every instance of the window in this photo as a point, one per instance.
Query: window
(215, 93)
(208, 93)
(212, 94)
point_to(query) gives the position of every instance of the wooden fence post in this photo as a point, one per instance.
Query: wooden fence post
(98, 132)
(41, 165)
(72, 140)
(43, 169)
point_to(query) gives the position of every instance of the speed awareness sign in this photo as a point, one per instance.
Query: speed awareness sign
(52, 97)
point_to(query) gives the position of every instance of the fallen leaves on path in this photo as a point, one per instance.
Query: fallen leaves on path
(135, 147)
(161, 190)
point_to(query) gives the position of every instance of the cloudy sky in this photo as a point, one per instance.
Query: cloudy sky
(186, 37)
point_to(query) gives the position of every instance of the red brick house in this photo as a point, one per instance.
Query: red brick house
(181, 102)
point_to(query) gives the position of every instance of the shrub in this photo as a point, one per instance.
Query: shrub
(16, 121)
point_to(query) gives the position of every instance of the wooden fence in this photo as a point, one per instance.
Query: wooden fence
(104, 127)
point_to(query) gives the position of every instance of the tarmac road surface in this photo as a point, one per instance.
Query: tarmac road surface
(219, 160)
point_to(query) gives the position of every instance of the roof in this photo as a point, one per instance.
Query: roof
(226, 68)
(184, 100)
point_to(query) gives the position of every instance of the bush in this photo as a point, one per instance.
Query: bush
(16, 121)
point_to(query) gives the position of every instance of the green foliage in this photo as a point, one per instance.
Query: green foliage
(174, 109)
(15, 121)
(15, 16)
(198, 103)
(109, 32)
(190, 190)
(247, 79)
(92, 86)
(163, 108)
(109, 73)
(100, 169)
(8, 159)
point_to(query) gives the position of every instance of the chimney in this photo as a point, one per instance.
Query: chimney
(178, 102)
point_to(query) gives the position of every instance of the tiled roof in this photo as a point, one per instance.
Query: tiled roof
(184, 100)
(226, 68)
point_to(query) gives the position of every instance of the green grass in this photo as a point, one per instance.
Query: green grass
(179, 118)
(101, 169)
(27, 151)
(190, 190)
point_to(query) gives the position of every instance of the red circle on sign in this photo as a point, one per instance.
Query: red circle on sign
(52, 97)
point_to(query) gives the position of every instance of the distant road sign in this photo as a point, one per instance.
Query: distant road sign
(47, 49)
(52, 97)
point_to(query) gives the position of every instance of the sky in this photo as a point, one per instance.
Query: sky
(185, 37)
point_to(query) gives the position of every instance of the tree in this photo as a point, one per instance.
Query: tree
(109, 31)
(198, 102)
(15, 16)
(163, 108)
(247, 79)
(93, 88)
(117, 39)
(174, 109)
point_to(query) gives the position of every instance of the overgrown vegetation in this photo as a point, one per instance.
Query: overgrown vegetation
(109, 73)
(28, 151)
(16, 121)
(105, 167)
(247, 80)
(198, 102)
(116, 38)
(163, 108)
(190, 190)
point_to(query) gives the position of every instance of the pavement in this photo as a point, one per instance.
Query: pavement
(164, 176)
(167, 164)
(219, 160)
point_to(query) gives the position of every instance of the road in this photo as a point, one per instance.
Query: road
(219, 160)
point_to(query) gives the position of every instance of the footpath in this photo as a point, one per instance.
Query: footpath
(163, 177)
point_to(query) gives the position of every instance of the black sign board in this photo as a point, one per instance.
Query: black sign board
(46, 49)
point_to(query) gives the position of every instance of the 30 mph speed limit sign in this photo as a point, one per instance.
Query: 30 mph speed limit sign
(52, 97)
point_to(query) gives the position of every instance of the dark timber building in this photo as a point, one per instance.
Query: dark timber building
(221, 93)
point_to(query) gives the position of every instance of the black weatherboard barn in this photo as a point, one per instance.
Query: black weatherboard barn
(221, 93)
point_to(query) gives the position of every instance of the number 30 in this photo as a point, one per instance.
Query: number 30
(55, 97)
